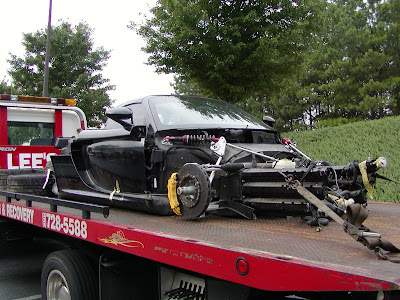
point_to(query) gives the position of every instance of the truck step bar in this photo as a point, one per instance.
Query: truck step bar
(86, 208)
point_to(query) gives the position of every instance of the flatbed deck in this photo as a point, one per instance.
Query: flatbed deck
(282, 254)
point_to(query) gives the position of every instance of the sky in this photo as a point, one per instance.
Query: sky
(126, 67)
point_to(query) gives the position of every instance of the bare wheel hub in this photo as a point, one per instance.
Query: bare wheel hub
(193, 191)
(189, 191)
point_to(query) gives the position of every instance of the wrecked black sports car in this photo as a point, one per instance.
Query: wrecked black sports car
(189, 155)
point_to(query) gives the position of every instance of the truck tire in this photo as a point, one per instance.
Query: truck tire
(67, 274)
(5, 173)
(27, 184)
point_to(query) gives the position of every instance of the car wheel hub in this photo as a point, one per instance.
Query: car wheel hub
(193, 191)
(189, 191)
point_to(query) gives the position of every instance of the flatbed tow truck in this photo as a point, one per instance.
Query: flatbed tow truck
(230, 258)
(119, 254)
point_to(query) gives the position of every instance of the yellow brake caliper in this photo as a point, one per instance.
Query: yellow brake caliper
(172, 196)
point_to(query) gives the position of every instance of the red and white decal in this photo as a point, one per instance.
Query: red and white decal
(70, 226)
(25, 157)
(16, 212)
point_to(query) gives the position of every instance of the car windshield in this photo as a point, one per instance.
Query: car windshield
(177, 112)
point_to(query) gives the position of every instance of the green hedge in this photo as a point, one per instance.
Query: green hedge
(358, 141)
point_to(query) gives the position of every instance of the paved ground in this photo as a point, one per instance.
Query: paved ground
(20, 268)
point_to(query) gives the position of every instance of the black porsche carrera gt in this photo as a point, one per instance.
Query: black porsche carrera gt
(190, 155)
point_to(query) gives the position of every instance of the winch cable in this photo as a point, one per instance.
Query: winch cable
(252, 152)
(205, 139)
(386, 178)
(356, 214)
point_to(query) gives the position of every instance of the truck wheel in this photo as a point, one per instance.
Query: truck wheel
(27, 184)
(67, 274)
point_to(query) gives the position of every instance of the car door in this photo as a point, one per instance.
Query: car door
(112, 158)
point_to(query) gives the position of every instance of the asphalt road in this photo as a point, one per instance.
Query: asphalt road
(20, 268)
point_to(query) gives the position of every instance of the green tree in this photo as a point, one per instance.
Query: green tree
(353, 71)
(4, 87)
(183, 87)
(232, 49)
(288, 107)
(74, 72)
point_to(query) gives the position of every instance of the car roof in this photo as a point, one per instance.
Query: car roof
(160, 127)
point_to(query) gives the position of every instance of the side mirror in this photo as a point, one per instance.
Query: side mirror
(62, 142)
(120, 115)
(269, 121)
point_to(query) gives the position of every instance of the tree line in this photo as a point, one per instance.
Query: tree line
(309, 64)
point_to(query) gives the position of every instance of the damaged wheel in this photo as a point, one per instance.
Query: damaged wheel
(194, 192)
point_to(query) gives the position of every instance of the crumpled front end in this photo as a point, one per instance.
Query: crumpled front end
(247, 181)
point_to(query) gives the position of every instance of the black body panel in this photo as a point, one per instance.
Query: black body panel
(117, 160)
(128, 164)
(72, 187)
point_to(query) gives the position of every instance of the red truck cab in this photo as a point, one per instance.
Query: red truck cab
(29, 126)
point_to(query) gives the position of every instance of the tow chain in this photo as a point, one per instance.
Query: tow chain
(356, 214)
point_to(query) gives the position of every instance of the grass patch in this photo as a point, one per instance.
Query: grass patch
(358, 141)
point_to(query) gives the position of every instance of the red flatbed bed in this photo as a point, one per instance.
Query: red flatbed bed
(282, 254)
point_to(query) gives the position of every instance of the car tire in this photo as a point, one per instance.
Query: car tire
(5, 173)
(27, 184)
(68, 272)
